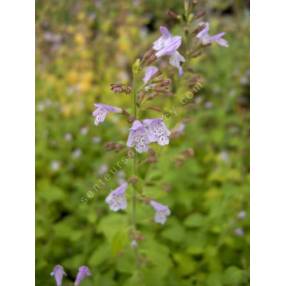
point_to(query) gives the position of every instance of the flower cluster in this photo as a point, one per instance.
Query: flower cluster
(148, 131)
(58, 273)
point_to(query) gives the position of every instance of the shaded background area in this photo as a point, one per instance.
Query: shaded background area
(82, 47)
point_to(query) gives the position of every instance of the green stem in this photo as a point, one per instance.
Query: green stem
(133, 209)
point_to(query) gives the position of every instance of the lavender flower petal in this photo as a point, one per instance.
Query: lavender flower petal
(83, 272)
(149, 73)
(138, 137)
(169, 46)
(101, 112)
(175, 60)
(157, 131)
(166, 44)
(218, 38)
(162, 212)
(116, 199)
(58, 273)
(206, 39)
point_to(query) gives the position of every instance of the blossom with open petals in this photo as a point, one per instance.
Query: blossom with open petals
(116, 199)
(162, 212)
(102, 110)
(150, 71)
(138, 137)
(167, 45)
(58, 273)
(83, 272)
(206, 39)
(157, 131)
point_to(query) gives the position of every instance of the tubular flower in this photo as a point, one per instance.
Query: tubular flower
(150, 71)
(102, 110)
(83, 272)
(138, 137)
(175, 60)
(161, 212)
(58, 273)
(116, 199)
(157, 131)
(206, 39)
(167, 45)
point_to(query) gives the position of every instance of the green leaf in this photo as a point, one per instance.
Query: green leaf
(119, 241)
(233, 276)
(194, 220)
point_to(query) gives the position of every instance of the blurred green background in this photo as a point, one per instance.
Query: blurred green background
(83, 47)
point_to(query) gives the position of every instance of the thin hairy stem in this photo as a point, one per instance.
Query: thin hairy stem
(134, 171)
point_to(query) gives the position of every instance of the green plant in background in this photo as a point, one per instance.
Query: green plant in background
(205, 241)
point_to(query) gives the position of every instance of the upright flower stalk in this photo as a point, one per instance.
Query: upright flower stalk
(133, 208)
(150, 81)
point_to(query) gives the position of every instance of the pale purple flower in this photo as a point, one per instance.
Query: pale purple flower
(58, 273)
(175, 60)
(241, 215)
(138, 137)
(83, 272)
(206, 39)
(102, 110)
(84, 130)
(157, 131)
(102, 169)
(149, 73)
(239, 231)
(76, 153)
(96, 139)
(68, 137)
(116, 199)
(161, 212)
(167, 45)
(134, 244)
(55, 165)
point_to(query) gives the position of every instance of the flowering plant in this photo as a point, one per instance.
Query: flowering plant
(151, 79)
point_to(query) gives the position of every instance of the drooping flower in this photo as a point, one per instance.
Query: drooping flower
(83, 272)
(116, 199)
(157, 131)
(150, 71)
(167, 45)
(58, 273)
(162, 212)
(138, 137)
(102, 110)
(175, 60)
(206, 39)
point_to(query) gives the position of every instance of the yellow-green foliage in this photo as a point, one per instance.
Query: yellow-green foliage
(82, 47)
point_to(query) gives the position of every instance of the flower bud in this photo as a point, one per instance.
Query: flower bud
(198, 29)
(112, 146)
(149, 57)
(120, 88)
(200, 14)
(173, 15)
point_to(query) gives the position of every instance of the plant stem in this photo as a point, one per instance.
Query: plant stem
(133, 211)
